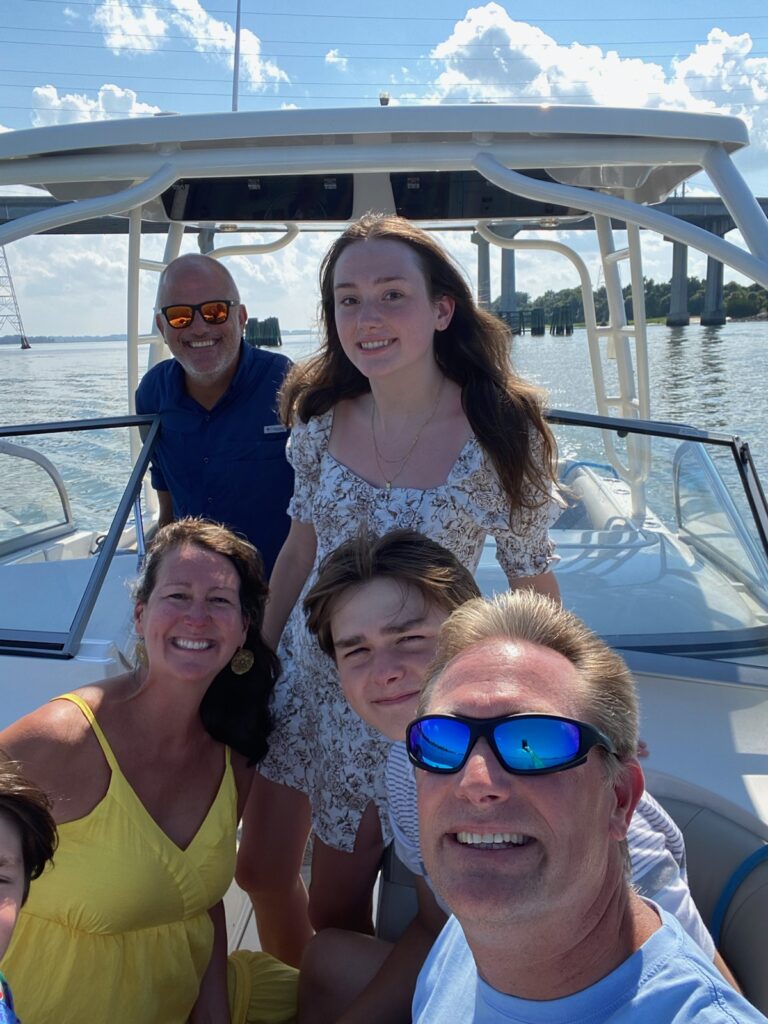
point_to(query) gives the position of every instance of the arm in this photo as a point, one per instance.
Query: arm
(212, 1004)
(545, 583)
(166, 508)
(292, 567)
(387, 997)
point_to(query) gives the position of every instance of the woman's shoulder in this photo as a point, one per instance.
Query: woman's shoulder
(59, 722)
(54, 746)
(314, 432)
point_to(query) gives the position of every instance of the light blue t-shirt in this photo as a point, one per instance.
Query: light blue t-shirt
(667, 981)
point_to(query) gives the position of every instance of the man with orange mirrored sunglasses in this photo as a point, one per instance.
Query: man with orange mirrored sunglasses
(221, 449)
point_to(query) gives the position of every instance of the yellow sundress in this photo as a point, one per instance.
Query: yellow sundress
(118, 930)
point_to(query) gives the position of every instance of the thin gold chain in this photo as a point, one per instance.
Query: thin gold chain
(388, 481)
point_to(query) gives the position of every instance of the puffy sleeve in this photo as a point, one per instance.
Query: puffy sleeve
(523, 545)
(305, 449)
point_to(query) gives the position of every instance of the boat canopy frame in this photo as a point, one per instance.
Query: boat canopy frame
(565, 162)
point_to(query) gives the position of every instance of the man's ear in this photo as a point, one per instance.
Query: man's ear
(243, 316)
(627, 787)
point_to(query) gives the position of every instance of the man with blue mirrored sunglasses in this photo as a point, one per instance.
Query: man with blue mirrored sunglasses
(376, 608)
(525, 743)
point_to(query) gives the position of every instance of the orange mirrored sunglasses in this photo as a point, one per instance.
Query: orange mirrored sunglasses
(215, 311)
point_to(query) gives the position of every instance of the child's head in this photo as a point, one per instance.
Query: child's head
(376, 608)
(27, 842)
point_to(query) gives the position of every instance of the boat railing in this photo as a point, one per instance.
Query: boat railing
(64, 642)
(58, 523)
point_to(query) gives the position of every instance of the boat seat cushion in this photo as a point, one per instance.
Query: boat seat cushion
(716, 846)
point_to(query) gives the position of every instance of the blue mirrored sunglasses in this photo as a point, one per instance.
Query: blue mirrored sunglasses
(523, 744)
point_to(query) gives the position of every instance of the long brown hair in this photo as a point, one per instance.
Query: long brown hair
(504, 411)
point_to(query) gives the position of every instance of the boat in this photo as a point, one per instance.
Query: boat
(664, 540)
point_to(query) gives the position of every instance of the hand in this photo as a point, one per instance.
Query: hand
(642, 749)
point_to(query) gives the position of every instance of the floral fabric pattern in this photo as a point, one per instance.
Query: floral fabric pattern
(319, 745)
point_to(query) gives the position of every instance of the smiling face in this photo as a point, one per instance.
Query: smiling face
(11, 879)
(192, 622)
(501, 848)
(385, 317)
(384, 636)
(208, 352)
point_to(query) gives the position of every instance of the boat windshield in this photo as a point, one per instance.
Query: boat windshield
(661, 540)
(57, 575)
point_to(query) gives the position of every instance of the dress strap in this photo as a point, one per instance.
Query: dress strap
(87, 711)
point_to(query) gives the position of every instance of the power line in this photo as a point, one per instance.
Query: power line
(382, 84)
(338, 42)
(262, 55)
(534, 18)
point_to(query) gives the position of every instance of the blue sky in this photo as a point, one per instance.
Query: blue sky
(67, 60)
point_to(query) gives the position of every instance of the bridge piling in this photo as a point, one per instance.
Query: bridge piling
(678, 295)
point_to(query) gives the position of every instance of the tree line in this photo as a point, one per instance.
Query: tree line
(739, 300)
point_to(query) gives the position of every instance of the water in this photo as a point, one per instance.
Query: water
(716, 378)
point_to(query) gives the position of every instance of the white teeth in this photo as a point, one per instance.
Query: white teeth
(192, 645)
(491, 840)
(369, 345)
(208, 343)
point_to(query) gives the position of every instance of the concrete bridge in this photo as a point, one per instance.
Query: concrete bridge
(708, 213)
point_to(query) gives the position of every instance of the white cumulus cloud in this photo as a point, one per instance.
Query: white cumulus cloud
(130, 26)
(335, 58)
(489, 56)
(110, 102)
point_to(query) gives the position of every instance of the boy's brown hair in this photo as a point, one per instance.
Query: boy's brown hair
(25, 806)
(405, 556)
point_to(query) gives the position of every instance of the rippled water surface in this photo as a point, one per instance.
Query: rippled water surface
(716, 378)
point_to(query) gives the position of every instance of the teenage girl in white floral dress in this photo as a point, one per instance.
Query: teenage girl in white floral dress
(409, 416)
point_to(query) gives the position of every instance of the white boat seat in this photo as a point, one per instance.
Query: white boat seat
(716, 846)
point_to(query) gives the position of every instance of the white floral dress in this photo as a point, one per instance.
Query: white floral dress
(319, 745)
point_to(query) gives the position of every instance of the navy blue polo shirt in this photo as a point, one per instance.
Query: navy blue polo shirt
(228, 463)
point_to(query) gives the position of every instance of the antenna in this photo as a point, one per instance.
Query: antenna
(9, 307)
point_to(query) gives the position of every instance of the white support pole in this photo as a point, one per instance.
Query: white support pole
(742, 205)
(236, 67)
(132, 316)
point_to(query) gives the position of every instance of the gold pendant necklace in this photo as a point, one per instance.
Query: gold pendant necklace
(401, 462)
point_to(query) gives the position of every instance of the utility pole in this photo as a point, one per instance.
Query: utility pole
(236, 69)
(9, 307)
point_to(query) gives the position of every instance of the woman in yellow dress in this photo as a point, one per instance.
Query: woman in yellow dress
(148, 773)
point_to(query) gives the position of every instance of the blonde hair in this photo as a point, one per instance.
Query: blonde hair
(524, 615)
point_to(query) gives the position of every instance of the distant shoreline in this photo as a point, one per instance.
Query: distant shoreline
(13, 341)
